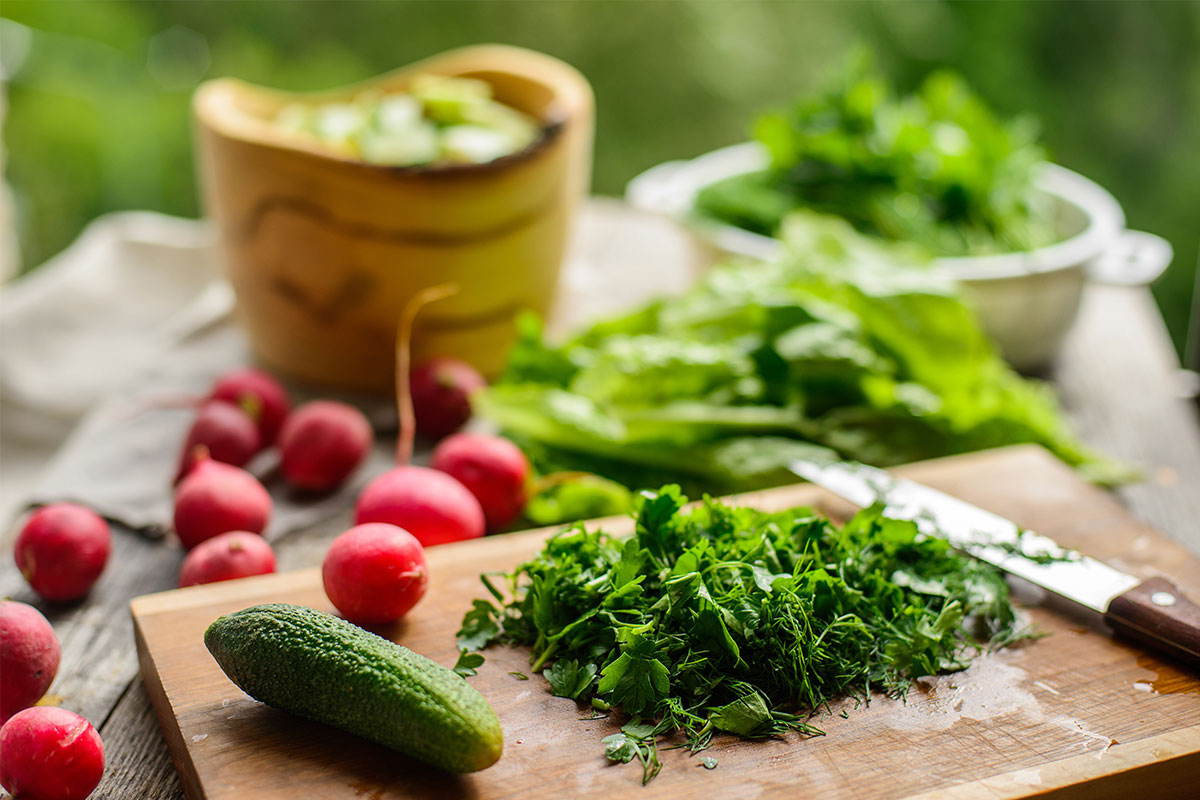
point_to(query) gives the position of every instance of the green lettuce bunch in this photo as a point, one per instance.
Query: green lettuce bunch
(848, 347)
(937, 168)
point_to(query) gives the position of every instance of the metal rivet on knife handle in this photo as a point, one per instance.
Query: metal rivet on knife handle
(1157, 614)
(1162, 599)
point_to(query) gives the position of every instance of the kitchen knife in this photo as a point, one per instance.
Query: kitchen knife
(1154, 612)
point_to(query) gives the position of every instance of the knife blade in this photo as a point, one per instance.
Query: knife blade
(1155, 612)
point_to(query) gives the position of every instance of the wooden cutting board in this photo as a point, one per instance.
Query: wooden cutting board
(1074, 714)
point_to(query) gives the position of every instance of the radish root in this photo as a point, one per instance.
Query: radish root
(404, 405)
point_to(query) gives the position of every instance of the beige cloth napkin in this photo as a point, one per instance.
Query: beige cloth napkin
(80, 328)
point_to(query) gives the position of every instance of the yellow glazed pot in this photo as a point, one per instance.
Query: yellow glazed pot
(323, 251)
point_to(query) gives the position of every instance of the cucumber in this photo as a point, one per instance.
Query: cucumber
(318, 666)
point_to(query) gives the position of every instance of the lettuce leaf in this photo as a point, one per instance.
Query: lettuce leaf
(848, 347)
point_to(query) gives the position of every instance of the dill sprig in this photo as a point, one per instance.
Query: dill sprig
(719, 618)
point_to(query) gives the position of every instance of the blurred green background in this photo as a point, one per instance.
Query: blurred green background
(98, 92)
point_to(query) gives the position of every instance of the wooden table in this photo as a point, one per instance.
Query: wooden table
(1116, 377)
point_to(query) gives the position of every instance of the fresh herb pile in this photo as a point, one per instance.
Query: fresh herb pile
(715, 618)
(936, 168)
(847, 347)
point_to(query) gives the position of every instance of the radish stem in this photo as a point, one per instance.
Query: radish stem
(404, 406)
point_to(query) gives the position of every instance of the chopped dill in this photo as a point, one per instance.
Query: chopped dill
(714, 618)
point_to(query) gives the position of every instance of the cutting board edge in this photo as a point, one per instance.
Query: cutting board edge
(205, 594)
(1081, 777)
(181, 756)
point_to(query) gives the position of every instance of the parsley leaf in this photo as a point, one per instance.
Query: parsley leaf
(620, 747)
(745, 716)
(630, 744)
(468, 663)
(636, 680)
(568, 679)
(479, 627)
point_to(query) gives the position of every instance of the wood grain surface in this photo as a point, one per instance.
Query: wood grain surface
(1073, 714)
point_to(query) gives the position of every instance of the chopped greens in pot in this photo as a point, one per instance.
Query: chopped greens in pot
(440, 120)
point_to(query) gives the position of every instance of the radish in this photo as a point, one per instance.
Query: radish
(29, 655)
(62, 550)
(222, 430)
(322, 443)
(216, 498)
(50, 754)
(375, 573)
(441, 395)
(259, 395)
(237, 554)
(492, 468)
(431, 505)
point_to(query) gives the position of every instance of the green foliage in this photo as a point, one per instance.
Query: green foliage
(719, 618)
(936, 168)
(98, 115)
(847, 348)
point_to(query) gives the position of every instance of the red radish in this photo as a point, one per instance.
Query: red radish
(62, 550)
(322, 443)
(225, 431)
(492, 468)
(216, 498)
(259, 395)
(375, 573)
(237, 554)
(50, 754)
(431, 505)
(441, 392)
(29, 654)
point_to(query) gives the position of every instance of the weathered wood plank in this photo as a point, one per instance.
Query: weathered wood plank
(138, 763)
(1117, 377)
(98, 656)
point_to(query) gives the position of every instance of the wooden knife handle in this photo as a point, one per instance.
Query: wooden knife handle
(1156, 614)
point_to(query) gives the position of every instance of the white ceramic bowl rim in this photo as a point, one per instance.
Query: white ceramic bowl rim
(671, 189)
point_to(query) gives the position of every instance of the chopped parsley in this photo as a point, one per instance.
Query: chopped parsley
(718, 618)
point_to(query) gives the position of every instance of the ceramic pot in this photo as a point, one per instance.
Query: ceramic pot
(323, 250)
